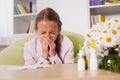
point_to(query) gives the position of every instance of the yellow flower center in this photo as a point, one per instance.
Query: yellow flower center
(92, 44)
(104, 31)
(93, 30)
(114, 32)
(108, 39)
(109, 24)
(101, 38)
(118, 27)
(116, 20)
(97, 43)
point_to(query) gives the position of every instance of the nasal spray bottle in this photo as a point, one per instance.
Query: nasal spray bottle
(81, 61)
(93, 57)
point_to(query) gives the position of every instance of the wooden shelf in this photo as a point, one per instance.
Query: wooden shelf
(108, 10)
(107, 5)
(24, 15)
(21, 21)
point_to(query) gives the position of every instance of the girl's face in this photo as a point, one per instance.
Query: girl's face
(47, 30)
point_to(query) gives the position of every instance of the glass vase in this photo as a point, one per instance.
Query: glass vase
(111, 62)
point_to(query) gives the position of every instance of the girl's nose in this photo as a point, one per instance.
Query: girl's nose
(48, 36)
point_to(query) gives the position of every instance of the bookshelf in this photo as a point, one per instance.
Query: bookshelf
(22, 20)
(71, 16)
(108, 10)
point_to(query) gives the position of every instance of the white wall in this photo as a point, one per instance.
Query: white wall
(72, 13)
(6, 19)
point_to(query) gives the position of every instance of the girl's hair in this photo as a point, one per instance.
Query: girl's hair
(51, 15)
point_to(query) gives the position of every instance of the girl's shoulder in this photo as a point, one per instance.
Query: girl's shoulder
(31, 42)
(65, 39)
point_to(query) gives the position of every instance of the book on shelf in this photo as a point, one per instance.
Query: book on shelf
(21, 9)
(25, 8)
(31, 27)
(97, 19)
(102, 2)
(30, 6)
(17, 10)
(92, 20)
(118, 2)
(101, 18)
(97, 2)
(27, 31)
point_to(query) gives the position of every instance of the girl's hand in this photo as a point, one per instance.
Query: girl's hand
(52, 47)
(45, 44)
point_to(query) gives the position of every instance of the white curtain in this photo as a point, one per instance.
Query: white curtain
(6, 21)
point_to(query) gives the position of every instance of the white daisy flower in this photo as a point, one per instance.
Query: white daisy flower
(105, 36)
(109, 40)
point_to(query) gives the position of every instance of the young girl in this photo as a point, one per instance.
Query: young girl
(48, 46)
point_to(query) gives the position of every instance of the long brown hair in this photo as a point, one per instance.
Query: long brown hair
(51, 15)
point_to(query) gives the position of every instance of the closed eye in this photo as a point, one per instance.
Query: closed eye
(43, 32)
(52, 33)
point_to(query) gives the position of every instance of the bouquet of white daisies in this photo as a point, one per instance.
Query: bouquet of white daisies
(106, 38)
